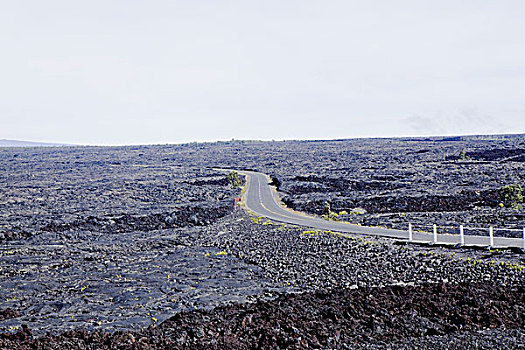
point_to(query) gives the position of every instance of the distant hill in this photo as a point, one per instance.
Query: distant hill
(17, 143)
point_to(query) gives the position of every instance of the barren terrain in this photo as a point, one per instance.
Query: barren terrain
(143, 241)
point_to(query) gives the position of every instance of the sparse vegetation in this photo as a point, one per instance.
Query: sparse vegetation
(463, 156)
(511, 196)
(233, 179)
(309, 233)
(153, 247)
(328, 213)
(257, 220)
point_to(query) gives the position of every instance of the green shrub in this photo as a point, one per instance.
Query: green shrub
(511, 196)
(328, 213)
(463, 156)
(233, 179)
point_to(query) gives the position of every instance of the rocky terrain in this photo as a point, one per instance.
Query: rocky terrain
(150, 277)
(409, 318)
(447, 182)
(104, 190)
(139, 247)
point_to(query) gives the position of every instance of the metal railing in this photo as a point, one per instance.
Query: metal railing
(460, 230)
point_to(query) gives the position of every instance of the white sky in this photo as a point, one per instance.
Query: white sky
(132, 72)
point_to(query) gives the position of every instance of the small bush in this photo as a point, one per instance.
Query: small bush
(328, 213)
(233, 179)
(463, 156)
(511, 196)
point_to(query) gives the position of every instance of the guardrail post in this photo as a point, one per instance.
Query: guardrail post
(410, 233)
(461, 235)
(524, 238)
(435, 237)
(491, 236)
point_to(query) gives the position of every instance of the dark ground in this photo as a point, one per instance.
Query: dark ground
(140, 240)
(363, 318)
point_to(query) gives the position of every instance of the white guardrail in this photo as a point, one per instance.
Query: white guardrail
(461, 230)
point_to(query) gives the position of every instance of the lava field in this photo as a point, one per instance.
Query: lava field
(140, 247)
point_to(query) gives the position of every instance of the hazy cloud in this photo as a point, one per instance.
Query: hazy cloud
(468, 121)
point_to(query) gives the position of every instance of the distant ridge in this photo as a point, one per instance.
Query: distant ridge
(17, 143)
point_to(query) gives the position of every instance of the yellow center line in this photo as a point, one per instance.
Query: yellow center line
(271, 211)
(285, 214)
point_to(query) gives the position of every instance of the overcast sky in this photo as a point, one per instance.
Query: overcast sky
(132, 72)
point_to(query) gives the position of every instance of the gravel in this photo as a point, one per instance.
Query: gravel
(311, 259)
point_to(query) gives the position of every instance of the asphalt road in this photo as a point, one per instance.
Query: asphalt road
(262, 199)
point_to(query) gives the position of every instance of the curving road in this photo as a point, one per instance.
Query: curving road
(262, 199)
